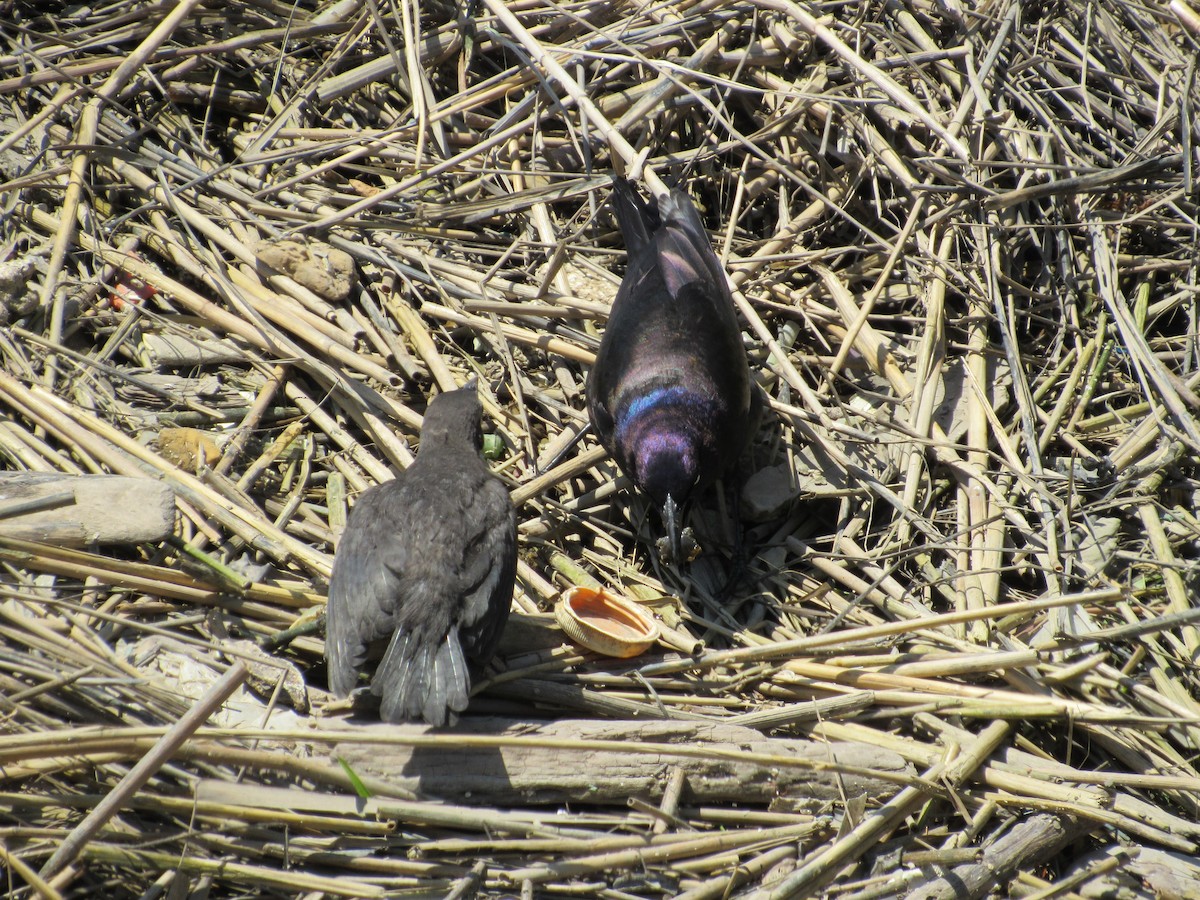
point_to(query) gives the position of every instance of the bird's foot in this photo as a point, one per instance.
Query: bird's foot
(689, 549)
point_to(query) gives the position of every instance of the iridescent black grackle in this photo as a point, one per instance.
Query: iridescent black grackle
(670, 394)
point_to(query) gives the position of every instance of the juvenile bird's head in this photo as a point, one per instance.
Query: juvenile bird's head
(453, 418)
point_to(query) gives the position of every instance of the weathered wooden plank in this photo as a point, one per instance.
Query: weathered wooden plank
(77, 510)
(721, 763)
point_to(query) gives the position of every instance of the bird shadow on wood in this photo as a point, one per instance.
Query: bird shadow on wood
(464, 773)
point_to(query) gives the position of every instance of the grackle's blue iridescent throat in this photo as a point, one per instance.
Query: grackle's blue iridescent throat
(670, 394)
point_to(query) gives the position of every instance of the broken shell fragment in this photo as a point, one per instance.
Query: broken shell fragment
(604, 622)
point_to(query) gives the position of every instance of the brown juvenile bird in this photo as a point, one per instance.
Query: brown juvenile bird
(427, 563)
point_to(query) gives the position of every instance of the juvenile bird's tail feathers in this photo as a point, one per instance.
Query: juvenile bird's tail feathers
(423, 678)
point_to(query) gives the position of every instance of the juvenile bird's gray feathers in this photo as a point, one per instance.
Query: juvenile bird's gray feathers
(427, 564)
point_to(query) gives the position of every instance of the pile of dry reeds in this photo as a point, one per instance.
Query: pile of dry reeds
(243, 243)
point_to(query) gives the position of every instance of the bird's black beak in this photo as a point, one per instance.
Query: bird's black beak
(671, 515)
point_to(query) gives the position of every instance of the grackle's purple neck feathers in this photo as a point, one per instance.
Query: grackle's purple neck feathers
(663, 440)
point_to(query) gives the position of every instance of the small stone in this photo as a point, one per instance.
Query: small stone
(188, 447)
(324, 270)
(768, 493)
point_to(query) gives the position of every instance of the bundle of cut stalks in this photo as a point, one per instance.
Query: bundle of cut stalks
(243, 244)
